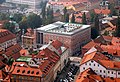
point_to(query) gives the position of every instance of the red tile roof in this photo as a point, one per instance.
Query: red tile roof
(49, 59)
(93, 56)
(6, 35)
(56, 44)
(90, 76)
(13, 51)
(102, 11)
(110, 64)
(21, 68)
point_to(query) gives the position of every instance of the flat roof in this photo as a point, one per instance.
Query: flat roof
(24, 58)
(63, 28)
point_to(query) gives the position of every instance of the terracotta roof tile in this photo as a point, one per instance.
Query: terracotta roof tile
(102, 11)
(56, 44)
(21, 68)
(90, 76)
(13, 51)
(6, 35)
(93, 56)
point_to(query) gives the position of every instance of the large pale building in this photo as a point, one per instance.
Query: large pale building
(71, 34)
(31, 3)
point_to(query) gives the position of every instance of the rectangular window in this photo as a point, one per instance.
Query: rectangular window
(118, 73)
(104, 71)
(84, 68)
(98, 65)
(89, 64)
(112, 72)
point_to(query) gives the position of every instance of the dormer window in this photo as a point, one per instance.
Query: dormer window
(37, 73)
(32, 72)
(18, 70)
(28, 72)
(23, 71)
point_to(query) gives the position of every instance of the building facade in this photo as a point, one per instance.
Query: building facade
(28, 39)
(70, 34)
(101, 65)
(8, 44)
(31, 3)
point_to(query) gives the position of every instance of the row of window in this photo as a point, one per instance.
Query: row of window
(104, 71)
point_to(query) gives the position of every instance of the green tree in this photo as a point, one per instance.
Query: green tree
(43, 6)
(73, 19)
(23, 25)
(84, 21)
(17, 17)
(10, 61)
(67, 18)
(92, 15)
(34, 21)
(10, 26)
(112, 9)
(4, 16)
(96, 23)
(94, 33)
(106, 33)
(117, 32)
(49, 16)
(65, 12)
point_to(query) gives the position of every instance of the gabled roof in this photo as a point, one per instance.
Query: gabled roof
(13, 51)
(90, 76)
(48, 60)
(6, 35)
(21, 68)
(96, 56)
(56, 44)
(110, 64)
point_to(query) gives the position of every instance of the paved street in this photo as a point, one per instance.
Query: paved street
(64, 73)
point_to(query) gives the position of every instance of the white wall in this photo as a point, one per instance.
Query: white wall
(99, 69)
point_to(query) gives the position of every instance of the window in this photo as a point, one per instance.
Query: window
(85, 63)
(112, 72)
(98, 65)
(84, 68)
(94, 64)
(23, 71)
(104, 71)
(108, 71)
(89, 64)
(100, 70)
(118, 73)
(92, 61)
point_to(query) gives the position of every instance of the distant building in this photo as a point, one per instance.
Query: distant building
(28, 39)
(107, 43)
(71, 34)
(31, 3)
(8, 44)
(43, 67)
(90, 76)
(100, 64)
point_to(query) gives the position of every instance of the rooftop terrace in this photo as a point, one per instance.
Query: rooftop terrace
(63, 28)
